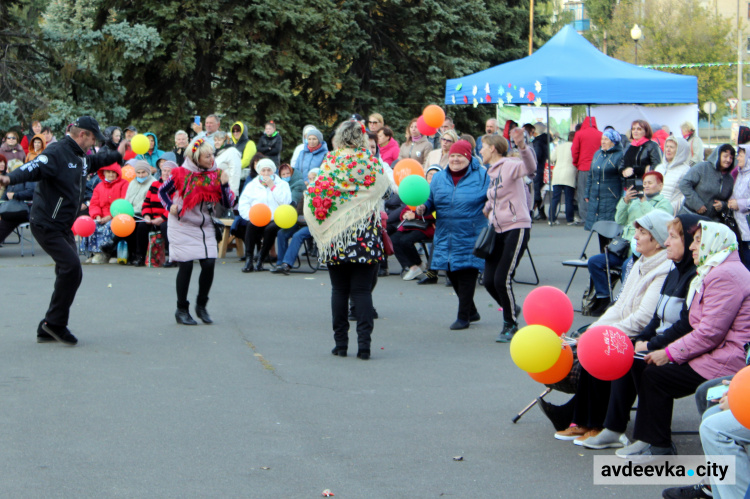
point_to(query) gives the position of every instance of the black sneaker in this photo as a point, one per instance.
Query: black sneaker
(41, 336)
(61, 334)
(459, 324)
(281, 269)
(428, 280)
(697, 491)
(475, 317)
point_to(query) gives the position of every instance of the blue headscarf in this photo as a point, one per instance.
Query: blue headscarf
(612, 135)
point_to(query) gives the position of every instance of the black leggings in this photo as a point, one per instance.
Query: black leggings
(204, 281)
(500, 267)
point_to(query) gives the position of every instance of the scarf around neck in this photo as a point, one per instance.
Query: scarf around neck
(717, 243)
(195, 185)
(639, 142)
(345, 195)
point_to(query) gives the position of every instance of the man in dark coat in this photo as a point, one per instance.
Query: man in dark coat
(60, 172)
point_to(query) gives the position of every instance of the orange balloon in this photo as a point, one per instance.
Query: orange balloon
(739, 401)
(434, 116)
(260, 215)
(128, 173)
(122, 225)
(558, 371)
(407, 167)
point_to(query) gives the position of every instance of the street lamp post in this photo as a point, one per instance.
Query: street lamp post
(636, 34)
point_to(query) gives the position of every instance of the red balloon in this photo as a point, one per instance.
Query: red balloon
(84, 226)
(549, 306)
(424, 128)
(605, 352)
(557, 372)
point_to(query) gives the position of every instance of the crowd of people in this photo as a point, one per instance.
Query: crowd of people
(684, 300)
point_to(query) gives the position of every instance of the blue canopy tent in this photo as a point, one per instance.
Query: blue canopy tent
(569, 70)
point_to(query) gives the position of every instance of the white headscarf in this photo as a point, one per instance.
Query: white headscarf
(717, 243)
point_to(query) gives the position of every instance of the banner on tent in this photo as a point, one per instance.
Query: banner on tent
(560, 117)
(620, 117)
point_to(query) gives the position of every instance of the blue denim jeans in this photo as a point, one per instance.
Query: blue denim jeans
(557, 191)
(299, 237)
(282, 242)
(598, 270)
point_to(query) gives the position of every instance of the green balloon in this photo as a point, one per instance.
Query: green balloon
(414, 190)
(120, 206)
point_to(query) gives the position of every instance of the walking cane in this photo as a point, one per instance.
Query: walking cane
(532, 404)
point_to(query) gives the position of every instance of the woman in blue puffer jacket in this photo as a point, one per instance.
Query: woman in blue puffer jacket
(457, 195)
(313, 153)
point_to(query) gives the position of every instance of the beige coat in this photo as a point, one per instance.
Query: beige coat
(416, 150)
(565, 172)
(636, 305)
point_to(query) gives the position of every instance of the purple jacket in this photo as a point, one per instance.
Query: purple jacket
(510, 209)
(720, 317)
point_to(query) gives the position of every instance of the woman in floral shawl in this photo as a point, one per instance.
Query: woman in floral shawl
(342, 210)
(190, 195)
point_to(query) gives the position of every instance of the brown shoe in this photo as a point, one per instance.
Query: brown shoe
(571, 433)
(591, 433)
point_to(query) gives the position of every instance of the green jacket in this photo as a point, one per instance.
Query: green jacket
(627, 213)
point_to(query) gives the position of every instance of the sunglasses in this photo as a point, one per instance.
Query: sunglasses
(373, 122)
(11, 137)
(450, 141)
(637, 128)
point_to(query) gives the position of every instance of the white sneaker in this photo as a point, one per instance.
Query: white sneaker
(607, 439)
(412, 274)
(99, 258)
(89, 259)
(113, 260)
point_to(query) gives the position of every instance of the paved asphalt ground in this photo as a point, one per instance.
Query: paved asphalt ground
(255, 406)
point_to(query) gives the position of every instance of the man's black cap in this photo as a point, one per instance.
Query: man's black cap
(90, 124)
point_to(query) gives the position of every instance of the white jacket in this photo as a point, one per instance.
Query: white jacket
(230, 161)
(636, 305)
(255, 193)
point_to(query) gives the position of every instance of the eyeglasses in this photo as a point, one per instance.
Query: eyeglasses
(373, 122)
(450, 141)
(11, 137)
(637, 128)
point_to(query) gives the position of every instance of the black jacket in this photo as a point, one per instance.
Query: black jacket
(61, 175)
(270, 147)
(675, 288)
(540, 144)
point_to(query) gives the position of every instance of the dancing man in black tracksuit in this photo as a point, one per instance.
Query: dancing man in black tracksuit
(61, 172)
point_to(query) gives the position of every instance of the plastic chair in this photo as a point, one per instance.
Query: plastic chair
(604, 228)
(21, 232)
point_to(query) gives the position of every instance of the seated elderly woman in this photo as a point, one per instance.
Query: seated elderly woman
(630, 314)
(111, 187)
(630, 208)
(719, 304)
(136, 194)
(269, 189)
(11, 217)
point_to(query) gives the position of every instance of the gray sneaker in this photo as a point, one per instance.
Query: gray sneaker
(509, 329)
(643, 450)
(607, 439)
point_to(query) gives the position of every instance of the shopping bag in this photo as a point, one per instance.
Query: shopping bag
(155, 252)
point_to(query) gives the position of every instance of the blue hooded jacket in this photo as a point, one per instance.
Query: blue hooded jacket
(459, 217)
(307, 160)
(152, 157)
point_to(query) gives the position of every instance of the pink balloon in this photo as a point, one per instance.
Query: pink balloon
(84, 226)
(549, 306)
(605, 352)
(424, 128)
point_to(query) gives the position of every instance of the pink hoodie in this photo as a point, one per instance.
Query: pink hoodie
(509, 196)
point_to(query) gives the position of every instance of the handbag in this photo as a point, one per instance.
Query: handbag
(727, 218)
(485, 242)
(14, 211)
(619, 247)
(387, 243)
(155, 254)
(218, 225)
(415, 224)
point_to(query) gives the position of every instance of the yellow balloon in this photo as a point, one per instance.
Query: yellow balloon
(140, 144)
(535, 348)
(285, 216)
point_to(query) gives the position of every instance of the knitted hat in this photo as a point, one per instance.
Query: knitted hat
(142, 165)
(265, 163)
(656, 223)
(463, 148)
(317, 134)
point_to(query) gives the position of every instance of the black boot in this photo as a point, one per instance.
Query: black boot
(201, 312)
(560, 415)
(600, 306)
(248, 263)
(259, 266)
(183, 315)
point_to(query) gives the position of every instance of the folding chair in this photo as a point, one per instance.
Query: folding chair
(311, 254)
(23, 232)
(533, 267)
(605, 229)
